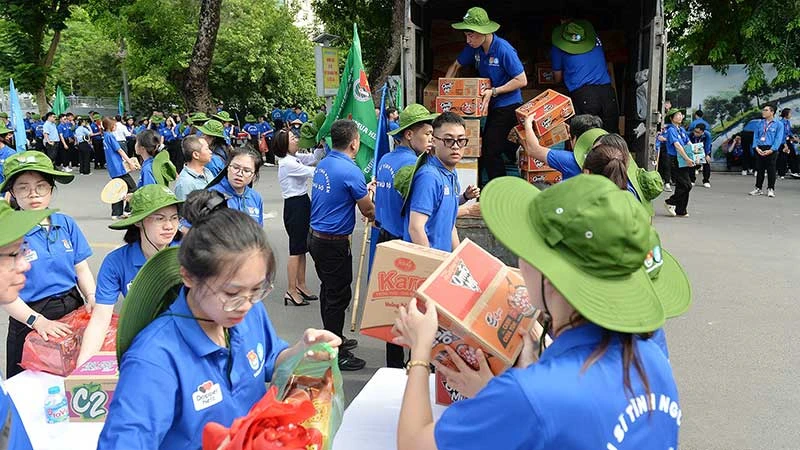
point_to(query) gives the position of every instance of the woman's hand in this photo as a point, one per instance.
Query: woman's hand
(466, 380)
(530, 348)
(312, 337)
(415, 329)
(52, 328)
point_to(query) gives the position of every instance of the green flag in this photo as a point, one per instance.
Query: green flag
(60, 104)
(354, 102)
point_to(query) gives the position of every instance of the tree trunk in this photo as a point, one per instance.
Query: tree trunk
(47, 63)
(386, 65)
(196, 94)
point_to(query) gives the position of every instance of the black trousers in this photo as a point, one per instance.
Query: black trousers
(85, 157)
(766, 163)
(99, 153)
(748, 156)
(683, 185)
(787, 161)
(495, 143)
(118, 208)
(664, 165)
(51, 308)
(333, 262)
(395, 354)
(51, 149)
(599, 100)
(63, 155)
(706, 173)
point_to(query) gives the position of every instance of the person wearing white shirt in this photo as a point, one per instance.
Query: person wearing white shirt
(121, 134)
(294, 171)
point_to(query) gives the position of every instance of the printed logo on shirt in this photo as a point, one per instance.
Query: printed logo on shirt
(208, 394)
(67, 245)
(326, 188)
(447, 190)
(256, 359)
(30, 255)
(494, 61)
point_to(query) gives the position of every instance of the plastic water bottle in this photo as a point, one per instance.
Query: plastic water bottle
(55, 406)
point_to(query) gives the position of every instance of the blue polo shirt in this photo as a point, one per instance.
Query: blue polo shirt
(249, 202)
(564, 162)
(787, 129)
(82, 134)
(146, 176)
(500, 65)
(675, 134)
(17, 436)
(96, 129)
(290, 116)
(303, 116)
(113, 158)
(434, 192)
(539, 407)
(264, 128)
(337, 184)
(388, 201)
(38, 128)
(698, 121)
(277, 114)
(586, 69)
(117, 272)
(173, 380)
(167, 133)
(65, 130)
(769, 133)
(705, 139)
(53, 256)
(5, 152)
(251, 129)
(52, 132)
(218, 162)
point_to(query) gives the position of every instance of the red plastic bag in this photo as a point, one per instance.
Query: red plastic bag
(263, 147)
(59, 355)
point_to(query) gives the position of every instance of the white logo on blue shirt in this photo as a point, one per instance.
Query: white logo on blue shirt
(67, 245)
(494, 61)
(256, 359)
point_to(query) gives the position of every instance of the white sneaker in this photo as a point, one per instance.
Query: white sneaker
(756, 191)
(783, 177)
(67, 169)
(744, 172)
(670, 209)
(667, 187)
(770, 192)
(707, 185)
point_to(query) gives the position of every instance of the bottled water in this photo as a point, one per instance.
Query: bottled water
(55, 406)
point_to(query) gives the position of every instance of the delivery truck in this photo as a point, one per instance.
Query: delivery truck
(632, 33)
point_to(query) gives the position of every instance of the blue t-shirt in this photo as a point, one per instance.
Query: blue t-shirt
(52, 132)
(586, 69)
(249, 202)
(277, 114)
(787, 129)
(675, 134)
(290, 116)
(388, 201)
(38, 129)
(698, 121)
(434, 192)
(27, 123)
(769, 133)
(173, 380)
(82, 134)
(336, 187)
(264, 128)
(303, 116)
(65, 130)
(705, 139)
(5, 152)
(219, 159)
(540, 407)
(117, 273)
(564, 162)
(500, 65)
(393, 125)
(53, 256)
(17, 435)
(167, 133)
(146, 176)
(96, 129)
(251, 129)
(113, 158)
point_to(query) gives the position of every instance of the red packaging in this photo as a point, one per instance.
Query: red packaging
(468, 87)
(531, 164)
(547, 176)
(463, 106)
(549, 109)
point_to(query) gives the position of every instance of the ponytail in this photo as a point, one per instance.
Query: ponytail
(609, 161)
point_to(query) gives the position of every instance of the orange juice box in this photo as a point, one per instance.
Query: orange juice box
(468, 87)
(463, 106)
(90, 388)
(549, 109)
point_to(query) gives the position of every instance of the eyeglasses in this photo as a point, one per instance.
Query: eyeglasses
(450, 142)
(246, 171)
(232, 303)
(18, 256)
(161, 220)
(25, 190)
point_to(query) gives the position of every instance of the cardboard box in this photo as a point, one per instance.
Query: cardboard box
(549, 109)
(545, 76)
(429, 95)
(481, 303)
(463, 106)
(543, 176)
(57, 355)
(90, 388)
(557, 135)
(467, 87)
(398, 270)
(473, 149)
(473, 127)
(530, 164)
(467, 171)
(445, 395)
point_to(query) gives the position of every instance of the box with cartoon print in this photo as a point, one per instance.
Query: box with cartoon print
(90, 388)
(463, 106)
(543, 176)
(468, 87)
(548, 109)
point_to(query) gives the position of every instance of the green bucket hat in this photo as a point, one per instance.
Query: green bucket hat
(319, 119)
(163, 170)
(35, 161)
(589, 238)
(250, 118)
(36, 116)
(672, 112)
(650, 183)
(212, 128)
(223, 116)
(4, 129)
(97, 117)
(145, 201)
(15, 224)
(413, 114)
(198, 118)
(668, 277)
(152, 291)
(584, 144)
(309, 131)
(575, 37)
(404, 178)
(477, 19)
(3, 115)
(157, 119)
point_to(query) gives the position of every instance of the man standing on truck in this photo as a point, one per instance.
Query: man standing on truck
(496, 59)
(579, 60)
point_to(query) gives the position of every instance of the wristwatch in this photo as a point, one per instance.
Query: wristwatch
(494, 92)
(31, 320)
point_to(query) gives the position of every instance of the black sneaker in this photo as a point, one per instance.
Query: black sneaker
(349, 362)
(348, 344)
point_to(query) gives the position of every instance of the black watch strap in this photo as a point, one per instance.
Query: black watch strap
(31, 320)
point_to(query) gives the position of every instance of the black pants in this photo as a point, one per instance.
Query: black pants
(495, 143)
(51, 149)
(749, 155)
(395, 354)
(85, 157)
(683, 185)
(63, 155)
(706, 173)
(52, 308)
(665, 165)
(787, 161)
(733, 160)
(599, 100)
(130, 147)
(333, 262)
(99, 153)
(766, 163)
(118, 208)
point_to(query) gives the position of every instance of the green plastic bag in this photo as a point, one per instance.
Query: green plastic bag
(322, 382)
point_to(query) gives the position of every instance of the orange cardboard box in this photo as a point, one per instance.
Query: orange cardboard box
(398, 270)
(473, 128)
(473, 149)
(549, 109)
(467, 87)
(531, 164)
(481, 304)
(463, 106)
(546, 176)
(429, 95)
(557, 135)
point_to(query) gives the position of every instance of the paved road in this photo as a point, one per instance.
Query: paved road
(735, 354)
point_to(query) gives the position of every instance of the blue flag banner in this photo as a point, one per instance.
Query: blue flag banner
(17, 119)
(381, 148)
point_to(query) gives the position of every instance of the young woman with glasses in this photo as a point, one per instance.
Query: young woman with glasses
(236, 181)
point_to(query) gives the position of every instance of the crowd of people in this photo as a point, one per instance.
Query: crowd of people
(591, 260)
